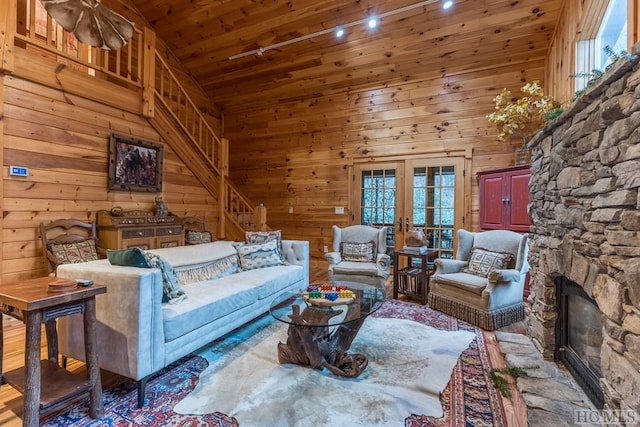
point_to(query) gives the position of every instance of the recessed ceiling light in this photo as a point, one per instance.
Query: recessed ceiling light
(372, 23)
(447, 4)
(339, 32)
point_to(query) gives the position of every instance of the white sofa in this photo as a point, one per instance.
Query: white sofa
(138, 334)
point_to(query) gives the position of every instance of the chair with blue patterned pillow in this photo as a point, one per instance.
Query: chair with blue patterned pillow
(484, 284)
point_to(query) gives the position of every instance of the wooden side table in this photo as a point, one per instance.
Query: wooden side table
(44, 384)
(412, 281)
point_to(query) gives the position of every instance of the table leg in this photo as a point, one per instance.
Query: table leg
(52, 340)
(96, 408)
(31, 416)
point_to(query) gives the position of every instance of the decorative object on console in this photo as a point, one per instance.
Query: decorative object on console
(161, 210)
(415, 238)
(134, 164)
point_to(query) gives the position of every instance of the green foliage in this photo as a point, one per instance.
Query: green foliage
(501, 383)
(596, 74)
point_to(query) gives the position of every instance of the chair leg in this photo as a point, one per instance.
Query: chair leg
(64, 362)
(142, 384)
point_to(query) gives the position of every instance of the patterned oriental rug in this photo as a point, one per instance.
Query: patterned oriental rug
(468, 399)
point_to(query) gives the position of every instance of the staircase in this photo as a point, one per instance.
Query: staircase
(178, 119)
(143, 84)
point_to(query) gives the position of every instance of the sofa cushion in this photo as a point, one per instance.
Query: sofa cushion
(254, 256)
(464, 281)
(483, 261)
(269, 281)
(253, 237)
(352, 267)
(358, 251)
(208, 301)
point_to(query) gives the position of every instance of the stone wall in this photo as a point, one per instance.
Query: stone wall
(585, 209)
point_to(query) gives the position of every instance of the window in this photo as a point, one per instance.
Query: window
(611, 31)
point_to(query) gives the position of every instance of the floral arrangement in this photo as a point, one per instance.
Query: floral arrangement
(524, 116)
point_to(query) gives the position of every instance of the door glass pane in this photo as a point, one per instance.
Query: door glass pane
(434, 206)
(378, 206)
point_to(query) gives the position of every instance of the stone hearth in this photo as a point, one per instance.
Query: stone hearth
(585, 209)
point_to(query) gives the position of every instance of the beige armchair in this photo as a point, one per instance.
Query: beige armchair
(359, 255)
(483, 285)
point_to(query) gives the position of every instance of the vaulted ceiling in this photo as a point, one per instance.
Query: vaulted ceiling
(421, 43)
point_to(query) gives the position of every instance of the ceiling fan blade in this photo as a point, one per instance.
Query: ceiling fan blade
(91, 22)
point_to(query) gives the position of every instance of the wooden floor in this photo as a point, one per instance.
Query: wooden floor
(11, 400)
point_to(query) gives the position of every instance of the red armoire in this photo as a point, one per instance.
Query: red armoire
(504, 195)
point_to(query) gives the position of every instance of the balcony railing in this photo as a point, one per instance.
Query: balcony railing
(37, 30)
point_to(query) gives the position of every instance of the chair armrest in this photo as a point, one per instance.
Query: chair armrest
(446, 265)
(504, 276)
(383, 262)
(333, 257)
(129, 318)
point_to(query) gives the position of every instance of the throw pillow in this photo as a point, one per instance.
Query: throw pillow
(358, 252)
(71, 253)
(483, 261)
(136, 257)
(192, 237)
(254, 256)
(257, 237)
(132, 257)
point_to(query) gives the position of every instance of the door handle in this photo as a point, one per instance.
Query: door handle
(400, 225)
(407, 227)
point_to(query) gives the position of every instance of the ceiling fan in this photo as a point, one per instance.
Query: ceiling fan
(91, 22)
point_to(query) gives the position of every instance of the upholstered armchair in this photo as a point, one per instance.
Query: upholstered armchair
(359, 255)
(483, 285)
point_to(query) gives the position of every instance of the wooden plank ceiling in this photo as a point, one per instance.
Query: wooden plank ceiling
(421, 43)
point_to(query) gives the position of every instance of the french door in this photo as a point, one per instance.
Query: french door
(424, 193)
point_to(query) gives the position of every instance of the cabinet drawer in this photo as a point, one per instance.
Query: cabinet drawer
(137, 232)
(168, 231)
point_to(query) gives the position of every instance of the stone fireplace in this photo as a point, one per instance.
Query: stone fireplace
(585, 210)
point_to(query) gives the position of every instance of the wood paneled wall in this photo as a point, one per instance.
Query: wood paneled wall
(578, 18)
(296, 153)
(63, 140)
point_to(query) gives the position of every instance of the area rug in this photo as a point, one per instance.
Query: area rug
(410, 364)
(468, 399)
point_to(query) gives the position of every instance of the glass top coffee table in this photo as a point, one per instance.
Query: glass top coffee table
(321, 331)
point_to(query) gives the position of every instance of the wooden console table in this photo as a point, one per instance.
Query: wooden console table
(138, 228)
(44, 384)
(412, 281)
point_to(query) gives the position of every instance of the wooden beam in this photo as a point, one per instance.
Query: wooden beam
(149, 75)
(2, 163)
(8, 17)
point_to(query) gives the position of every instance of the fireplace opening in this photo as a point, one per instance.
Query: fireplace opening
(579, 337)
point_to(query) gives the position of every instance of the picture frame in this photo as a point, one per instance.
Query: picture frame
(134, 164)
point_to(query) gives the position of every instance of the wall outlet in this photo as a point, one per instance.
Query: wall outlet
(326, 249)
(339, 210)
(290, 209)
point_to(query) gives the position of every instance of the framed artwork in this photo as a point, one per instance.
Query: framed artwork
(134, 164)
